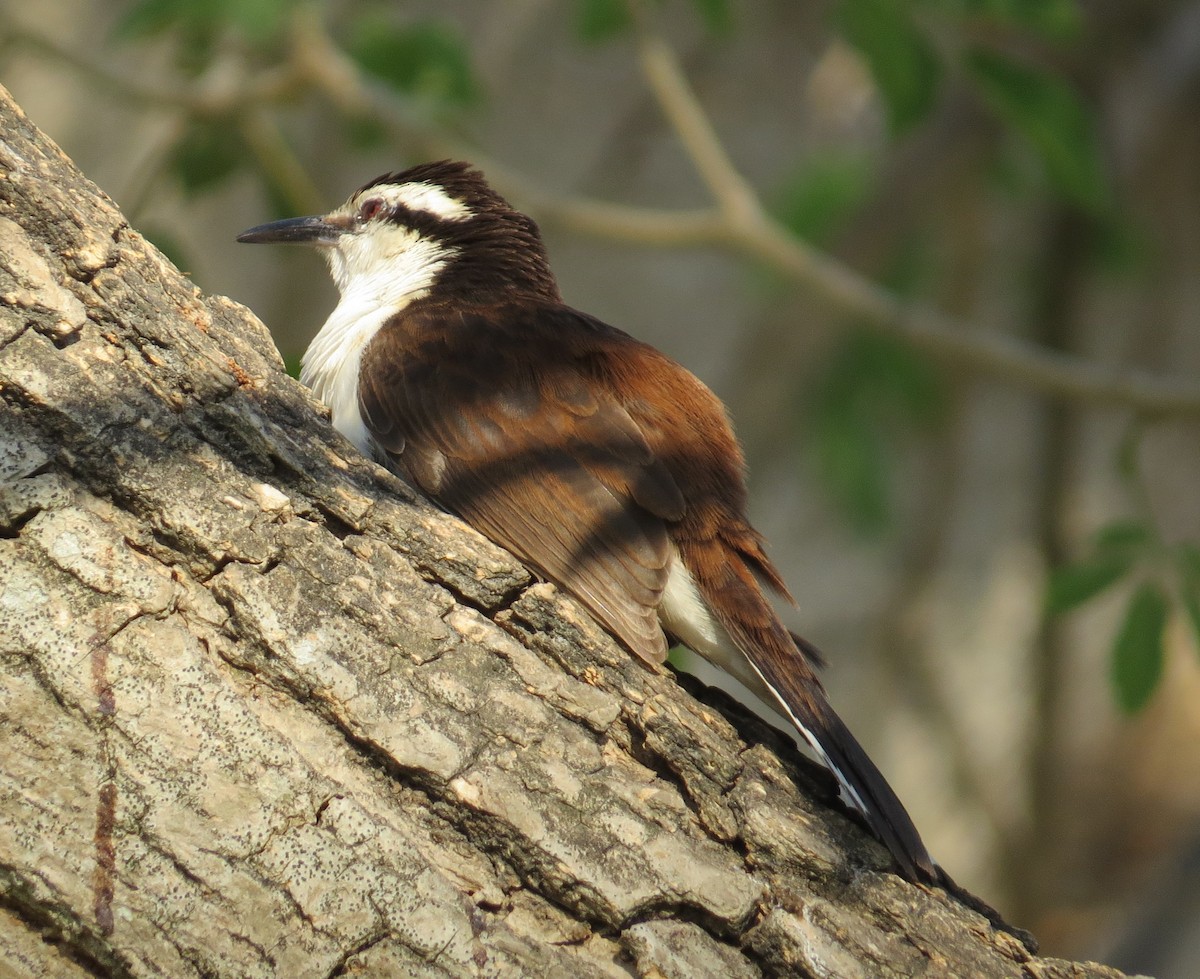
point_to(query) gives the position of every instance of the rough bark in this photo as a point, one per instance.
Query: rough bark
(263, 713)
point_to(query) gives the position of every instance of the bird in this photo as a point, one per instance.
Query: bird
(600, 462)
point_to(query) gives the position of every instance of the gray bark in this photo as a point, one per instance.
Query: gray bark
(264, 713)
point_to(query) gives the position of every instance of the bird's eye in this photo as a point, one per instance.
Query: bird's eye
(369, 208)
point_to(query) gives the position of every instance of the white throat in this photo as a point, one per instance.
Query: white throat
(378, 274)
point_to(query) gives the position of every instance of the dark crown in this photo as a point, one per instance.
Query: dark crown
(458, 179)
(499, 249)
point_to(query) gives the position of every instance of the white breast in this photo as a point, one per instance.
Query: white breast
(331, 363)
(378, 273)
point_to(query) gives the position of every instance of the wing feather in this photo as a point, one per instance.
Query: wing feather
(494, 414)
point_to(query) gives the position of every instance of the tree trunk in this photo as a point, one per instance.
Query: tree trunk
(264, 713)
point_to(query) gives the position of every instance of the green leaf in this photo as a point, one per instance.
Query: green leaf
(1120, 246)
(823, 193)
(365, 132)
(167, 243)
(1187, 559)
(151, 17)
(205, 156)
(874, 392)
(1138, 654)
(913, 264)
(279, 204)
(911, 387)
(1191, 605)
(716, 14)
(884, 379)
(428, 59)
(852, 464)
(602, 20)
(1074, 584)
(257, 19)
(1128, 456)
(1189, 562)
(260, 19)
(1053, 19)
(1049, 114)
(1122, 537)
(292, 364)
(902, 62)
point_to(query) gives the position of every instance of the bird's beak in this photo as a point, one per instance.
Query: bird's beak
(316, 230)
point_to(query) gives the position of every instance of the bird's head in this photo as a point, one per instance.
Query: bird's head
(439, 226)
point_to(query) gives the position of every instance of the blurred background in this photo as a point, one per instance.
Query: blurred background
(961, 346)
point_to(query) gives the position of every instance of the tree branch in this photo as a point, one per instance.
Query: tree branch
(748, 228)
(277, 160)
(244, 669)
(739, 222)
(737, 201)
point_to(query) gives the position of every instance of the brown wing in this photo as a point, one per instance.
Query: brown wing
(494, 415)
(728, 564)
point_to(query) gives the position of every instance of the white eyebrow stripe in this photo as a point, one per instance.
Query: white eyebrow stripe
(424, 197)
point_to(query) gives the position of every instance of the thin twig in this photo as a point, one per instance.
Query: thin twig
(739, 223)
(201, 99)
(275, 156)
(733, 194)
(749, 229)
(959, 344)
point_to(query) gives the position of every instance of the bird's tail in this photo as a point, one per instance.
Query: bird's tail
(862, 783)
(787, 672)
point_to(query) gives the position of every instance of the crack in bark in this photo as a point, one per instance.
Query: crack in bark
(59, 925)
(5, 341)
(675, 912)
(490, 834)
(340, 967)
(505, 601)
(103, 841)
(155, 844)
(11, 529)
